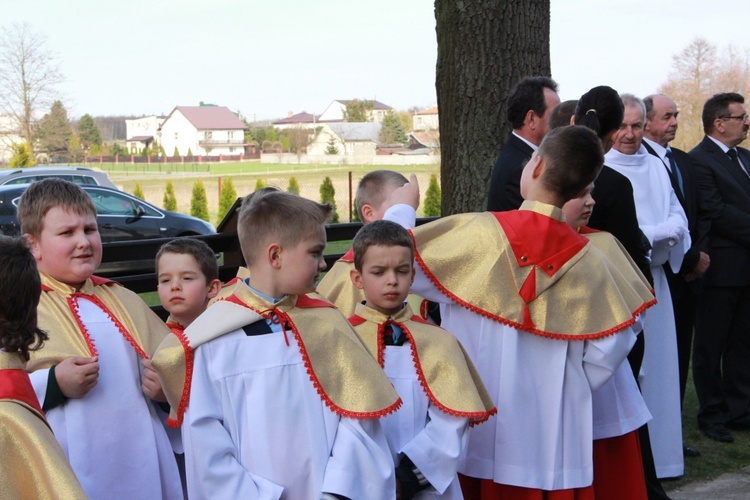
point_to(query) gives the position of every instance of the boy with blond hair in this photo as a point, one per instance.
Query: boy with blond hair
(441, 390)
(545, 316)
(283, 397)
(93, 375)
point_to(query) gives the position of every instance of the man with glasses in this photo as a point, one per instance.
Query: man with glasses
(721, 352)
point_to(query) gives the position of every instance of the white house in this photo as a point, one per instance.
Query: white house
(351, 139)
(426, 119)
(9, 135)
(140, 132)
(335, 111)
(202, 130)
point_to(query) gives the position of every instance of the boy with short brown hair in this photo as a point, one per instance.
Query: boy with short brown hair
(283, 396)
(441, 390)
(101, 339)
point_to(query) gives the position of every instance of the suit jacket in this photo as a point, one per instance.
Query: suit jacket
(505, 186)
(614, 212)
(688, 197)
(724, 206)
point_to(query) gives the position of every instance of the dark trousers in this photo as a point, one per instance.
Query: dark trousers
(683, 304)
(721, 355)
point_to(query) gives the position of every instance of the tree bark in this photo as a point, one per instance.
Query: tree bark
(484, 48)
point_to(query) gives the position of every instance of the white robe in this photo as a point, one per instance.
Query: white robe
(256, 428)
(542, 436)
(658, 206)
(432, 439)
(113, 436)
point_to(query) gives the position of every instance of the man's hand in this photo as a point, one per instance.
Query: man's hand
(76, 375)
(151, 383)
(700, 268)
(408, 194)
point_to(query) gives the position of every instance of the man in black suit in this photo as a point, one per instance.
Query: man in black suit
(659, 131)
(529, 106)
(721, 353)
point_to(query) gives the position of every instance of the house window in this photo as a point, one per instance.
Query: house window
(230, 134)
(175, 136)
(207, 135)
(231, 150)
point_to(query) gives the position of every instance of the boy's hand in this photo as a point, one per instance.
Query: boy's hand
(408, 194)
(151, 384)
(77, 375)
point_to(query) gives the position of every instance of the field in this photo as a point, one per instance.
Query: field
(153, 179)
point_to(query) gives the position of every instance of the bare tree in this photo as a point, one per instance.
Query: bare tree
(29, 74)
(484, 48)
(698, 72)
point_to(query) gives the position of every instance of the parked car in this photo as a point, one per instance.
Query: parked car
(79, 175)
(120, 216)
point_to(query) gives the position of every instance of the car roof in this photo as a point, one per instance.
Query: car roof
(101, 176)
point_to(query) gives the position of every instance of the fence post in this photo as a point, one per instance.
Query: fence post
(350, 195)
(219, 189)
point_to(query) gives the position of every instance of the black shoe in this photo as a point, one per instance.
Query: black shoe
(687, 451)
(717, 432)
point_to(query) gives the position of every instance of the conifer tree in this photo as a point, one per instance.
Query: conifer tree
(331, 149)
(355, 212)
(199, 201)
(260, 184)
(88, 132)
(227, 198)
(138, 191)
(74, 148)
(293, 186)
(170, 200)
(328, 195)
(190, 152)
(433, 198)
(176, 152)
(21, 156)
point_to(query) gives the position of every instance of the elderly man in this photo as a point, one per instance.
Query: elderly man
(664, 223)
(529, 106)
(659, 131)
(722, 329)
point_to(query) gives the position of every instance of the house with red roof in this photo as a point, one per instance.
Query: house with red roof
(203, 130)
(335, 111)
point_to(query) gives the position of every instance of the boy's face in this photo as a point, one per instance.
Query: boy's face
(386, 276)
(300, 266)
(578, 210)
(69, 247)
(182, 287)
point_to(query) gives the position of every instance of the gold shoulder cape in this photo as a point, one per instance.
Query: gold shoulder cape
(446, 373)
(337, 287)
(346, 377)
(530, 270)
(34, 465)
(58, 316)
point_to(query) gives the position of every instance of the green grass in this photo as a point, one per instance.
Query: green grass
(716, 458)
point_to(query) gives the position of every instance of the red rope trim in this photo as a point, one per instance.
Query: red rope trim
(179, 332)
(499, 319)
(475, 416)
(96, 300)
(380, 340)
(311, 373)
(73, 305)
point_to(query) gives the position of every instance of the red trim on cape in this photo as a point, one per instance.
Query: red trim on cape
(499, 319)
(15, 384)
(98, 280)
(588, 230)
(348, 256)
(73, 305)
(284, 317)
(306, 302)
(179, 332)
(355, 320)
(96, 300)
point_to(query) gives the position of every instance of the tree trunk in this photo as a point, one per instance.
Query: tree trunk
(484, 48)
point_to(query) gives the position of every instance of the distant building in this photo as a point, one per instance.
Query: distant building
(335, 111)
(9, 135)
(141, 132)
(426, 119)
(203, 130)
(350, 139)
(299, 120)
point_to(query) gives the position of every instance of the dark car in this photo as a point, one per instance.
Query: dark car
(78, 175)
(120, 216)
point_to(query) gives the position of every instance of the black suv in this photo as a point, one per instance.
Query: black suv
(120, 216)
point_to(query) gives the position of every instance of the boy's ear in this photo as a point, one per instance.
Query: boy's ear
(33, 245)
(273, 254)
(356, 278)
(213, 289)
(539, 167)
(367, 213)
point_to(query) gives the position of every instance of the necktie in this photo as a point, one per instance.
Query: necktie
(733, 156)
(675, 173)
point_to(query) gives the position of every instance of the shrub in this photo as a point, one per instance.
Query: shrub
(170, 200)
(138, 191)
(260, 184)
(293, 186)
(328, 195)
(433, 198)
(227, 198)
(199, 202)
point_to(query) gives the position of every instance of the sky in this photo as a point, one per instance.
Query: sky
(267, 58)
